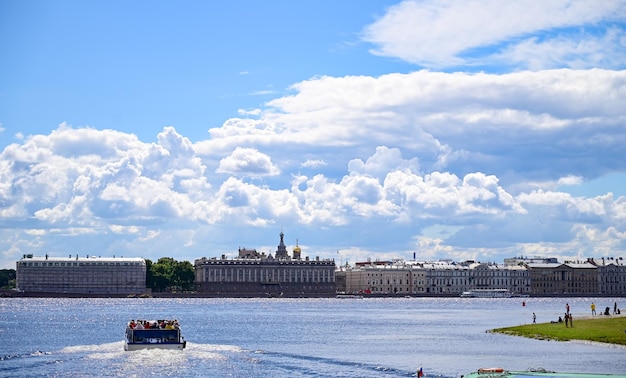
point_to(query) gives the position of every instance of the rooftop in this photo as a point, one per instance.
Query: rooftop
(81, 259)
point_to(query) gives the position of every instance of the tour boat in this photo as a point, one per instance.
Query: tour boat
(487, 293)
(153, 334)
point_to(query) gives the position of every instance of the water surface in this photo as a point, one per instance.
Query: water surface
(294, 337)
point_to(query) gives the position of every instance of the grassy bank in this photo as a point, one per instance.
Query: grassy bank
(610, 329)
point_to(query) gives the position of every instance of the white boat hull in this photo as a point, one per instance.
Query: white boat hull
(487, 293)
(141, 346)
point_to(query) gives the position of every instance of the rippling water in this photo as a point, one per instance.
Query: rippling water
(293, 337)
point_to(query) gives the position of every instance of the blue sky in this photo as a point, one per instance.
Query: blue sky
(139, 66)
(452, 129)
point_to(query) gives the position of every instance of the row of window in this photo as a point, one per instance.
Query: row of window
(456, 274)
(57, 263)
(268, 275)
(568, 284)
(592, 278)
(260, 261)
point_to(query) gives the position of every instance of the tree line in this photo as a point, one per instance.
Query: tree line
(166, 274)
(7, 278)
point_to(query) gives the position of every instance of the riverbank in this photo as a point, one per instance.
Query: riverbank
(602, 328)
(10, 293)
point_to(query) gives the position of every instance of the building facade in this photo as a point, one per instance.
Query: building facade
(443, 278)
(566, 278)
(81, 275)
(611, 275)
(257, 274)
(384, 278)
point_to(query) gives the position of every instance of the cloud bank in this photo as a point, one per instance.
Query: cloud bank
(463, 164)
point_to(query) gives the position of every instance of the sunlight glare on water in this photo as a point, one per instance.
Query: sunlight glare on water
(388, 337)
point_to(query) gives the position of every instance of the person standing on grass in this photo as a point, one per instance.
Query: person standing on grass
(571, 321)
(593, 308)
(566, 320)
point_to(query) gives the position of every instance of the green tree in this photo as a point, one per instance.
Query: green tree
(184, 276)
(7, 278)
(167, 274)
(149, 276)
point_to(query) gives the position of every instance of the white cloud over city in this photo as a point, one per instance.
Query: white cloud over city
(457, 163)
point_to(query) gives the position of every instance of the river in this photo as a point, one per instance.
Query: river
(272, 337)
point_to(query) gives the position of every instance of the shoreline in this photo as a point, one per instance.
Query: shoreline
(598, 329)
(8, 293)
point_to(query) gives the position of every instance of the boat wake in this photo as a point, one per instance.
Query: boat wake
(195, 360)
(23, 355)
(166, 356)
(320, 366)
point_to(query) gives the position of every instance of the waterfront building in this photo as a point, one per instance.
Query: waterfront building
(257, 274)
(444, 277)
(611, 276)
(522, 276)
(514, 278)
(389, 277)
(517, 279)
(81, 275)
(567, 278)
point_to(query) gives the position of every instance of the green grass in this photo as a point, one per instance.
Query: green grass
(600, 329)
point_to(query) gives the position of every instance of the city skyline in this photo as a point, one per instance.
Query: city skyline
(463, 130)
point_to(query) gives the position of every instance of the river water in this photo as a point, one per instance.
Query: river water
(381, 337)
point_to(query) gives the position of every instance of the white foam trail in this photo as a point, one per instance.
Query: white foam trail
(210, 351)
(154, 357)
(107, 347)
(214, 347)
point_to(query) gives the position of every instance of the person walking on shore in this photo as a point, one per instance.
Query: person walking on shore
(593, 308)
(534, 318)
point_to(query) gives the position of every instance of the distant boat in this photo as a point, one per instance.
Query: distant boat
(487, 293)
(153, 334)
(349, 296)
(534, 373)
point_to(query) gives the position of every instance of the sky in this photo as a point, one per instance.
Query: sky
(463, 130)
